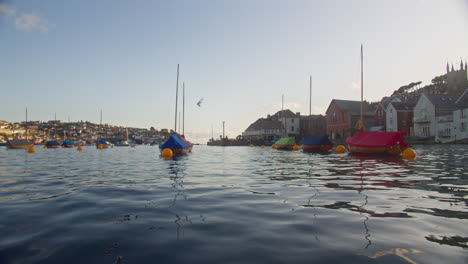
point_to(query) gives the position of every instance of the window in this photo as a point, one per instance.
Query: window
(292, 120)
(463, 127)
(334, 119)
(292, 129)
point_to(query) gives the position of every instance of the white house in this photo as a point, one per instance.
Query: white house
(290, 121)
(460, 117)
(264, 128)
(433, 117)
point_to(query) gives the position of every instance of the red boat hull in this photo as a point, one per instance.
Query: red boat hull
(316, 148)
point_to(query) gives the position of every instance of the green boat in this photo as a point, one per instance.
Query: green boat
(285, 143)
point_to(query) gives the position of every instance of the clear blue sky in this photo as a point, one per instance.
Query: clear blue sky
(75, 58)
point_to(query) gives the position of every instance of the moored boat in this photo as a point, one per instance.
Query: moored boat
(316, 144)
(68, 144)
(366, 143)
(176, 144)
(52, 144)
(19, 144)
(285, 143)
(100, 144)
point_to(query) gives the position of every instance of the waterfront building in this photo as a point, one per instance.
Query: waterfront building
(433, 117)
(342, 116)
(380, 116)
(264, 129)
(460, 118)
(290, 121)
(313, 125)
(399, 117)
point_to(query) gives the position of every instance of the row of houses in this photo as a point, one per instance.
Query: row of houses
(437, 112)
(430, 117)
(285, 123)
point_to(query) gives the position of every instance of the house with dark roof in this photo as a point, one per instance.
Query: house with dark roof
(399, 117)
(264, 128)
(460, 118)
(290, 121)
(433, 117)
(342, 116)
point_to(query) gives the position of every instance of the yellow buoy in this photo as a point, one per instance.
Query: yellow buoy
(296, 147)
(273, 146)
(409, 153)
(167, 153)
(79, 148)
(340, 149)
(262, 146)
(99, 146)
(31, 149)
(251, 145)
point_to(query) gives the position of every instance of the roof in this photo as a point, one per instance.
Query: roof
(462, 101)
(265, 123)
(285, 113)
(353, 107)
(402, 106)
(444, 104)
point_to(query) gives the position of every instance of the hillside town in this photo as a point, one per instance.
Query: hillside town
(82, 133)
(435, 113)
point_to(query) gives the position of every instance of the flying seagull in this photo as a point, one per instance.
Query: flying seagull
(199, 102)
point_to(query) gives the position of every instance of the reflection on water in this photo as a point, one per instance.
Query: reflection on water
(239, 204)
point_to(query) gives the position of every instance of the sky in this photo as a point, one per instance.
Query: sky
(73, 59)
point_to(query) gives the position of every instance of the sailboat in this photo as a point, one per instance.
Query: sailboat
(67, 143)
(20, 143)
(101, 143)
(366, 143)
(285, 142)
(175, 141)
(315, 143)
(123, 143)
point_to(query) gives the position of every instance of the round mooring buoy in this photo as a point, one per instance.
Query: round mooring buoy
(167, 153)
(79, 148)
(409, 153)
(251, 145)
(273, 146)
(262, 146)
(340, 149)
(31, 149)
(296, 147)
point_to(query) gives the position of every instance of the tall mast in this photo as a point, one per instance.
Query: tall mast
(362, 87)
(223, 129)
(26, 123)
(183, 108)
(100, 120)
(310, 97)
(282, 102)
(176, 97)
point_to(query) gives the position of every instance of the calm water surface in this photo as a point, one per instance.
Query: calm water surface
(232, 205)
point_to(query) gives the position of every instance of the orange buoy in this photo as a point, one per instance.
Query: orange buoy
(273, 146)
(340, 149)
(167, 153)
(296, 147)
(409, 153)
(31, 149)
